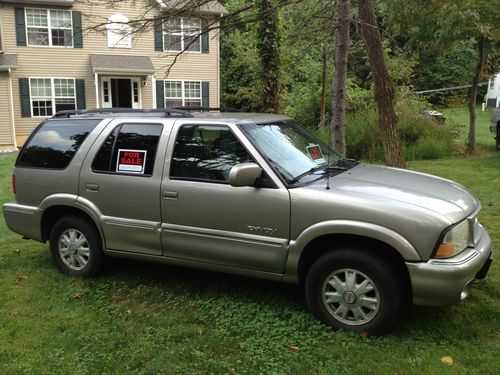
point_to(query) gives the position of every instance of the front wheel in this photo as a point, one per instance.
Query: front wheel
(76, 247)
(354, 290)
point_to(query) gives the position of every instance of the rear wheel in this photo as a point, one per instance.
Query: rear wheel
(76, 247)
(498, 137)
(354, 290)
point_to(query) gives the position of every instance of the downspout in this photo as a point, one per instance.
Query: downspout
(218, 65)
(11, 110)
(153, 89)
(96, 84)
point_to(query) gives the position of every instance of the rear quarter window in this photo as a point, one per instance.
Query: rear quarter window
(54, 143)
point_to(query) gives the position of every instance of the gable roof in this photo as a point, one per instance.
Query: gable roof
(206, 7)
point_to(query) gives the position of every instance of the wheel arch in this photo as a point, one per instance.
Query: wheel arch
(327, 236)
(53, 213)
(332, 242)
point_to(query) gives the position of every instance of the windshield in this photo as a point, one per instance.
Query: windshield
(291, 149)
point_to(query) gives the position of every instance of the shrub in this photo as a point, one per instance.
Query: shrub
(421, 136)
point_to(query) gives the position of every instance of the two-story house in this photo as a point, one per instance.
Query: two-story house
(76, 54)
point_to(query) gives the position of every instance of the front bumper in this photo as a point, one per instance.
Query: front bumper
(447, 281)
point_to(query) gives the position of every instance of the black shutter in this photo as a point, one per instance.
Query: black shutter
(158, 35)
(24, 93)
(205, 94)
(20, 27)
(204, 37)
(77, 30)
(160, 94)
(80, 94)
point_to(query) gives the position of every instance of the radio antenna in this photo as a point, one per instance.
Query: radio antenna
(329, 153)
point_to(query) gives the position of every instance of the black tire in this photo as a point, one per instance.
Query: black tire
(356, 303)
(498, 137)
(76, 247)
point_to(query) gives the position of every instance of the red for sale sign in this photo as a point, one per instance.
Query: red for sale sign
(131, 161)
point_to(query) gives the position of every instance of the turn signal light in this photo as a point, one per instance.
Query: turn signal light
(446, 250)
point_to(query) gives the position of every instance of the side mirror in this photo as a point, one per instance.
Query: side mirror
(244, 174)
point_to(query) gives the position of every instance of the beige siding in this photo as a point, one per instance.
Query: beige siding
(5, 124)
(74, 62)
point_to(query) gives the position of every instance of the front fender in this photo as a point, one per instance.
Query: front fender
(332, 227)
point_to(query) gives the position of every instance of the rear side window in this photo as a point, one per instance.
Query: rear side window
(54, 143)
(130, 149)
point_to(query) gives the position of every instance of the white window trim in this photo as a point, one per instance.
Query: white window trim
(48, 27)
(53, 96)
(182, 34)
(184, 98)
(114, 28)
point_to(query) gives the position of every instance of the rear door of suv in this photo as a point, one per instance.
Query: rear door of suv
(121, 176)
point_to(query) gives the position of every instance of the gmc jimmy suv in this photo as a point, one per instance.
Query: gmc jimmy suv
(249, 194)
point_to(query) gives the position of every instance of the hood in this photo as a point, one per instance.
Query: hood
(433, 193)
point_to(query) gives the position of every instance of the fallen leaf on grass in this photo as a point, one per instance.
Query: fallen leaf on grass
(363, 334)
(447, 361)
(294, 348)
(129, 312)
(17, 251)
(77, 295)
(21, 279)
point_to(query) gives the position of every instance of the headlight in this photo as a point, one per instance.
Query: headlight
(455, 240)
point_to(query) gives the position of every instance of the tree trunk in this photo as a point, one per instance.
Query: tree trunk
(471, 143)
(268, 47)
(340, 77)
(384, 91)
(322, 106)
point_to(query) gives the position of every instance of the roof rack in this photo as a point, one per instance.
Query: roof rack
(168, 112)
(217, 109)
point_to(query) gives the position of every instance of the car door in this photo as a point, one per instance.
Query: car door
(205, 219)
(121, 177)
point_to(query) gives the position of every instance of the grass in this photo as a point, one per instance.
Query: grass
(141, 318)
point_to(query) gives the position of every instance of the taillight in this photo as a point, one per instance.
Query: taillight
(14, 183)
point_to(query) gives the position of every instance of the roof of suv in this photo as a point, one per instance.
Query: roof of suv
(215, 115)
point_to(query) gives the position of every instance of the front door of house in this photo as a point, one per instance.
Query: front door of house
(120, 92)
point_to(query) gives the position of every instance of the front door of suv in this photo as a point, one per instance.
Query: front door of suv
(121, 176)
(207, 220)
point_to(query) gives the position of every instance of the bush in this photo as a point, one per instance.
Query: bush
(421, 136)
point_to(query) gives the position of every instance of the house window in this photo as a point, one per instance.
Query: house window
(119, 31)
(50, 95)
(182, 94)
(49, 27)
(182, 34)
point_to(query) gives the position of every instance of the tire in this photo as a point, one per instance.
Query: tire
(372, 303)
(498, 137)
(76, 247)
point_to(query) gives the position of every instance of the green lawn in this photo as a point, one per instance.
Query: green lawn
(141, 318)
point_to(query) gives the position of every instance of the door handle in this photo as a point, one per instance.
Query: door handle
(170, 195)
(92, 187)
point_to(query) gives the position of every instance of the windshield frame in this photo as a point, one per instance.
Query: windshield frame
(303, 131)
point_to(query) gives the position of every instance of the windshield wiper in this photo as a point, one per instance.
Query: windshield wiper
(327, 169)
(306, 173)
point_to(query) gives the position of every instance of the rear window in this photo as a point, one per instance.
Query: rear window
(54, 143)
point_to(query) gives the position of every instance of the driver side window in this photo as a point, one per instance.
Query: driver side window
(204, 152)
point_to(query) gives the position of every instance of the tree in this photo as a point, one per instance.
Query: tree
(340, 77)
(268, 47)
(384, 91)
